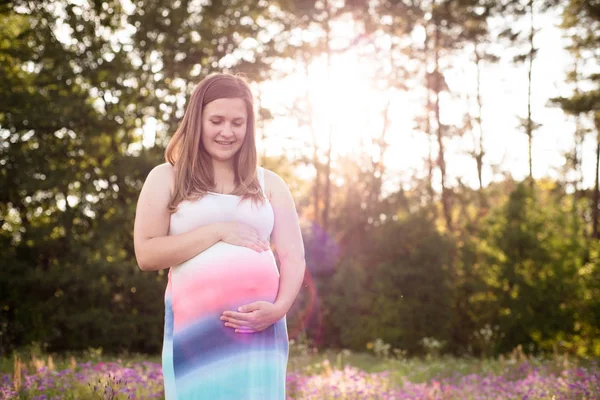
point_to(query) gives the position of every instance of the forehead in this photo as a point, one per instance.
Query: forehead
(226, 107)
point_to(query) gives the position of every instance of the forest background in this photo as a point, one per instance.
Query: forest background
(443, 156)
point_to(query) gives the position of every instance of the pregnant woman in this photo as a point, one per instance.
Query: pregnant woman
(210, 214)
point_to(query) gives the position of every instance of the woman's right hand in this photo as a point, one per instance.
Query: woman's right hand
(240, 234)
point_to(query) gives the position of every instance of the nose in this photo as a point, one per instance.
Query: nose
(227, 131)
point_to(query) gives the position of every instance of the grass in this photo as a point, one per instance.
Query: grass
(311, 375)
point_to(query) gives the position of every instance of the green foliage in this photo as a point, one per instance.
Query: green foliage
(534, 249)
(519, 269)
(75, 306)
(71, 114)
(397, 291)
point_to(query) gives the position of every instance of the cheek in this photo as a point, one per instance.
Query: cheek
(207, 134)
(241, 132)
(204, 138)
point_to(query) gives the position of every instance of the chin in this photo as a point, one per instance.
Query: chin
(223, 156)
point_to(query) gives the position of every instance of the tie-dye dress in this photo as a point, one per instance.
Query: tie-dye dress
(202, 358)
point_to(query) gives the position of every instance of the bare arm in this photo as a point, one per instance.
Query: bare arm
(154, 250)
(288, 242)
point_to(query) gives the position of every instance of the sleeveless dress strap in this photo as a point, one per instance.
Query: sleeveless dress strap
(260, 172)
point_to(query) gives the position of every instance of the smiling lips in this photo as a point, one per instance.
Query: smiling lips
(224, 143)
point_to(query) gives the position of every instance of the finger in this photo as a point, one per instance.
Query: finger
(261, 241)
(244, 331)
(255, 238)
(256, 241)
(246, 308)
(252, 245)
(259, 237)
(263, 246)
(238, 323)
(236, 326)
(234, 315)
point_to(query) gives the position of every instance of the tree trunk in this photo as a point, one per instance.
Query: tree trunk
(440, 133)
(579, 136)
(379, 166)
(317, 186)
(428, 132)
(529, 72)
(260, 126)
(578, 157)
(479, 145)
(327, 198)
(316, 162)
(596, 196)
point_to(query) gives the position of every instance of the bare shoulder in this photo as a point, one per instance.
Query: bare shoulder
(272, 177)
(275, 185)
(161, 176)
(164, 168)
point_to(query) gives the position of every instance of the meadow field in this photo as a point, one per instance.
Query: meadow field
(315, 375)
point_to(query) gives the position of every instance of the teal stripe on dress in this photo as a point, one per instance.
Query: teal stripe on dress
(247, 376)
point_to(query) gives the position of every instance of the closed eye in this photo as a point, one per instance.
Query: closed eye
(235, 123)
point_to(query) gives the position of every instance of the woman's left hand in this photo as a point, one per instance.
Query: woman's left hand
(253, 317)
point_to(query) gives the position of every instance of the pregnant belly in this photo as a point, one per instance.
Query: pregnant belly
(221, 278)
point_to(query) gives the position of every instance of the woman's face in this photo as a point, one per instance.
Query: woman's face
(224, 123)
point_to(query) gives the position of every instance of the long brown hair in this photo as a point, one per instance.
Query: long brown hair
(193, 168)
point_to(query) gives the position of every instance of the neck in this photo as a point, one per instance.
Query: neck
(224, 174)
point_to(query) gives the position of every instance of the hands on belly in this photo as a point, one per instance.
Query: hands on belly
(253, 317)
(239, 234)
